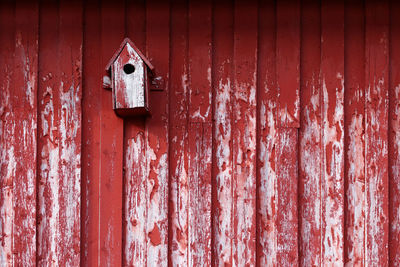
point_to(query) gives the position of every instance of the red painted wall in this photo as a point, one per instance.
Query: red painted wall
(275, 141)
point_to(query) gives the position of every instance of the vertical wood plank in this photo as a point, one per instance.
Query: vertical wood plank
(287, 173)
(244, 133)
(7, 129)
(288, 83)
(157, 49)
(376, 131)
(199, 214)
(179, 63)
(354, 253)
(199, 133)
(310, 137)
(178, 114)
(91, 138)
(135, 245)
(48, 136)
(25, 110)
(179, 192)
(60, 133)
(288, 62)
(267, 132)
(111, 143)
(135, 159)
(223, 116)
(394, 136)
(200, 29)
(332, 83)
(190, 83)
(70, 66)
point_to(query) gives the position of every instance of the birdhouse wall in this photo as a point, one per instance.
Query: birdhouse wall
(129, 80)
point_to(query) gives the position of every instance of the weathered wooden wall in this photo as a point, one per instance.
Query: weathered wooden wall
(276, 141)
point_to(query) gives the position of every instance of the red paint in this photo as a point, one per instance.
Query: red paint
(91, 136)
(59, 135)
(376, 131)
(157, 49)
(222, 190)
(155, 238)
(199, 130)
(288, 62)
(394, 134)
(310, 138)
(7, 128)
(287, 119)
(273, 138)
(286, 222)
(267, 131)
(178, 112)
(354, 105)
(111, 144)
(24, 102)
(244, 102)
(332, 133)
(199, 212)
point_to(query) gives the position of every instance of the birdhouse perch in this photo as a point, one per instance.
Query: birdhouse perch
(130, 72)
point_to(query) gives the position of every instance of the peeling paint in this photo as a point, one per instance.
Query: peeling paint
(333, 182)
(136, 201)
(246, 138)
(224, 167)
(129, 87)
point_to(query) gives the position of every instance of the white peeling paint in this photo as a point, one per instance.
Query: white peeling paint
(180, 193)
(333, 182)
(310, 166)
(244, 171)
(224, 171)
(132, 85)
(8, 167)
(268, 185)
(356, 190)
(376, 152)
(136, 201)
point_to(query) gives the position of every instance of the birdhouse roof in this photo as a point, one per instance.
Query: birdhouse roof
(116, 54)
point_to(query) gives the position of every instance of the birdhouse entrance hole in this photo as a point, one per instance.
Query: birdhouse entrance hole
(129, 68)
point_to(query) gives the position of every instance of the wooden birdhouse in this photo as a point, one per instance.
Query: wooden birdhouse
(130, 73)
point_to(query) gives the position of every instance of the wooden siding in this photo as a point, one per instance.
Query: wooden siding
(275, 142)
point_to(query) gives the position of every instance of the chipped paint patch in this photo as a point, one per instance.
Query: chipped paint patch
(180, 193)
(7, 170)
(310, 175)
(136, 201)
(59, 174)
(356, 190)
(268, 184)
(332, 170)
(395, 168)
(224, 167)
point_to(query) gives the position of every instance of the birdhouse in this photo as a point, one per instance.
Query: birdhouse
(130, 73)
